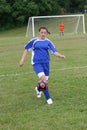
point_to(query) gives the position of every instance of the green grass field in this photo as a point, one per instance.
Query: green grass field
(19, 107)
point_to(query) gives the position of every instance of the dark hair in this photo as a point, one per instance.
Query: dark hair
(45, 29)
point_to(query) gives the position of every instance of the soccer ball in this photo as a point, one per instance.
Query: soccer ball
(42, 85)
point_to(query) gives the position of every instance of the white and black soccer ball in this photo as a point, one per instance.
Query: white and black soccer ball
(42, 85)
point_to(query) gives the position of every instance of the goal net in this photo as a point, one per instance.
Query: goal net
(73, 24)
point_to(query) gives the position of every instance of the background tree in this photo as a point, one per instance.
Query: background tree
(16, 12)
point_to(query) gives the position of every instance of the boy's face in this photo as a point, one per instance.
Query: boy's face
(43, 33)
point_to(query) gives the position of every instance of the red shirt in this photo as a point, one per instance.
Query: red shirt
(61, 27)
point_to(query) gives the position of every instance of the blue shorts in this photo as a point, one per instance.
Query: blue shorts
(41, 67)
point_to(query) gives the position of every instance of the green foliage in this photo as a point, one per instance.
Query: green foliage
(77, 5)
(5, 11)
(16, 12)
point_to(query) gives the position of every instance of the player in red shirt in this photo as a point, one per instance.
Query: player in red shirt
(61, 29)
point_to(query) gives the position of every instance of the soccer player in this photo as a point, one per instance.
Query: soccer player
(40, 59)
(61, 29)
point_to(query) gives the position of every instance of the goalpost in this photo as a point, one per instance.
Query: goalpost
(73, 24)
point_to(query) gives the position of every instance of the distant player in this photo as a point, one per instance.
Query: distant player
(40, 59)
(61, 29)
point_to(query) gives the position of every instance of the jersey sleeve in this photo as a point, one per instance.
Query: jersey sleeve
(52, 47)
(29, 45)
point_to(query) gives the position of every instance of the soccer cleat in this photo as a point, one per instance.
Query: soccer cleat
(38, 92)
(49, 101)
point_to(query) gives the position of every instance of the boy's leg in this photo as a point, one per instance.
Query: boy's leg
(38, 92)
(47, 96)
(63, 33)
(45, 90)
(43, 76)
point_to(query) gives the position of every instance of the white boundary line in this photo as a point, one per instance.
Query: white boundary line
(18, 74)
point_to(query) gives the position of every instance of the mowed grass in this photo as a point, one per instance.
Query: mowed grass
(19, 107)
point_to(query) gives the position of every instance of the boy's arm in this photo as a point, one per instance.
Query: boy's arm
(23, 58)
(59, 55)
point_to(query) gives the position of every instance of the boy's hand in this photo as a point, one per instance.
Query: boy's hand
(21, 63)
(63, 56)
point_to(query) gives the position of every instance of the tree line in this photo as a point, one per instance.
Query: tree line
(16, 12)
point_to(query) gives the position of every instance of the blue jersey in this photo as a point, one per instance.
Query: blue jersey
(40, 50)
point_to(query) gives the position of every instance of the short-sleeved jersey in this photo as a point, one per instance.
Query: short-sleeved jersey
(61, 27)
(40, 50)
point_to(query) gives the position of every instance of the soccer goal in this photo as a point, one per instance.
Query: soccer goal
(73, 24)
